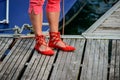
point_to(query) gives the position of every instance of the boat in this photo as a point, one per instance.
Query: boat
(14, 13)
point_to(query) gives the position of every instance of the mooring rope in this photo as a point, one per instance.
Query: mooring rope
(63, 14)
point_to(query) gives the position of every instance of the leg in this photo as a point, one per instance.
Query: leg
(36, 17)
(53, 19)
(36, 21)
(53, 12)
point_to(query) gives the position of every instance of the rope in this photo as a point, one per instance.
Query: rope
(63, 13)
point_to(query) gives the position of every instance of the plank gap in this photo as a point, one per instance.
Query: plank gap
(109, 57)
(80, 70)
(51, 71)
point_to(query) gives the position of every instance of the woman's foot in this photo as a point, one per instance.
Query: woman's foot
(42, 47)
(56, 42)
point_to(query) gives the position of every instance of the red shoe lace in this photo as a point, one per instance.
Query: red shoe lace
(41, 40)
(55, 38)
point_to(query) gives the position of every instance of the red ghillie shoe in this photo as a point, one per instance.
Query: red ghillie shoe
(40, 40)
(55, 38)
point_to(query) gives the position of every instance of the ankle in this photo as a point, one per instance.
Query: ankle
(54, 36)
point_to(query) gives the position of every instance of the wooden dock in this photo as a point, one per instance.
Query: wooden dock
(94, 59)
(97, 55)
(108, 26)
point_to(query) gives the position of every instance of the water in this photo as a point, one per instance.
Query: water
(89, 14)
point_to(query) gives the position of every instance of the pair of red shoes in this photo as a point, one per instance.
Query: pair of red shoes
(54, 39)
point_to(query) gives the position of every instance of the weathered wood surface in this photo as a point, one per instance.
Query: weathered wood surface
(97, 58)
(14, 62)
(68, 64)
(93, 59)
(109, 23)
(4, 45)
(39, 67)
(115, 61)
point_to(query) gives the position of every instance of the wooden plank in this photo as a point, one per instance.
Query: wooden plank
(115, 61)
(112, 20)
(109, 24)
(105, 59)
(6, 46)
(107, 30)
(68, 68)
(102, 35)
(5, 64)
(46, 67)
(43, 68)
(15, 63)
(1, 39)
(100, 64)
(37, 70)
(2, 44)
(116, 13)
(32, 64)
(99, 71)
(95, 64)
(118, 9)
(32, 70)
(49, 67)
(56, 64)
(113, 17)
(67, 71)
(25, 55)
(62, 62)
(17, 59)
(86, 61)
(39, 67)
(67, 64)
(91, 60)
(112, 28)
(73, 68)
(118, 61)
(96, 60)
(112, 63)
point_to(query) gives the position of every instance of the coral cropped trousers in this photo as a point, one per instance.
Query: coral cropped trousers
(37, 6)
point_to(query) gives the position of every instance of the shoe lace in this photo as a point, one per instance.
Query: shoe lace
(55, 38)
(41, 40)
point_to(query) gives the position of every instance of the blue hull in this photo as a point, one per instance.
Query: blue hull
(18, 12)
